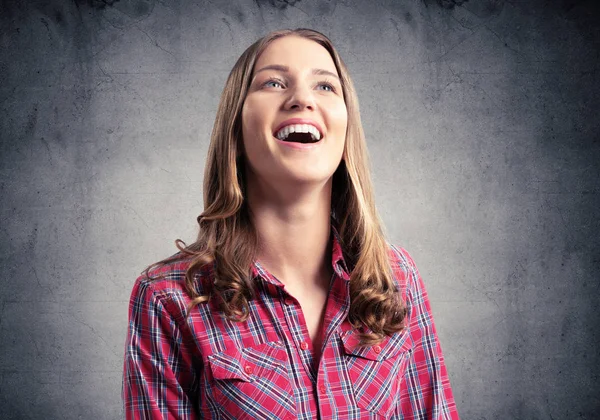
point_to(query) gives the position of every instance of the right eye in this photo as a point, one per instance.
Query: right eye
(272, 82)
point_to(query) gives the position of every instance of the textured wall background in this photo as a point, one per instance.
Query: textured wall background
(483, 128)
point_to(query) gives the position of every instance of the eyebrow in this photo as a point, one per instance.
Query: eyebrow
(286, 69)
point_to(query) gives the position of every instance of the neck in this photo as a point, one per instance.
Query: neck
(293, 233)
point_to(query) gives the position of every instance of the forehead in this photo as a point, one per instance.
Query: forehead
(296, 52)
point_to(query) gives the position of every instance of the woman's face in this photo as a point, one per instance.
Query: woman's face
(294, 84)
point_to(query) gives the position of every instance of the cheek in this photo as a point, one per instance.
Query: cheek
(253, 120)
(250, 124)
(247, 118)
(339, 115)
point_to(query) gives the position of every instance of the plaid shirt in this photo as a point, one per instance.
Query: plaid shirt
(206, 366)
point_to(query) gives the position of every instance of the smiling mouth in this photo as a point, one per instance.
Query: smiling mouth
(300, 138)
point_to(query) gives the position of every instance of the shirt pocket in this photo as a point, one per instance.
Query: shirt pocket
(253, 382)
(376, 372)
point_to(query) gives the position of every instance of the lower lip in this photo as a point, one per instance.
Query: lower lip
(301, 146)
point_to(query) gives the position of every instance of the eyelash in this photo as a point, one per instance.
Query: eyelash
(324, 83)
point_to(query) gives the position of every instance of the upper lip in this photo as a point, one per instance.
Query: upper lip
(292, 121)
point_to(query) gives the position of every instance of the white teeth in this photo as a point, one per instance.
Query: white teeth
(298, 128)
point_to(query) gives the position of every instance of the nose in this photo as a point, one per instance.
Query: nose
(300, 97)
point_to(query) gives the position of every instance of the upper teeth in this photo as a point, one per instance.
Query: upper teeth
(298, 128)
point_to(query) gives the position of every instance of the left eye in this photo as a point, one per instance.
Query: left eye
(327, 85)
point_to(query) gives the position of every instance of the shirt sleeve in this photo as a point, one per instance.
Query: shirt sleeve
(425, 392)
(159, 378)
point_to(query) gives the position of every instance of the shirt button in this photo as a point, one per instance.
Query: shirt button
(377, 349)
(304, 345)
(248, 369)
(288, 301)
(323, 389)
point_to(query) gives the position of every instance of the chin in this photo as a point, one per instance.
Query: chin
(310, 177)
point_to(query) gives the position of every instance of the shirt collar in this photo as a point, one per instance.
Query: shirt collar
(337, 260)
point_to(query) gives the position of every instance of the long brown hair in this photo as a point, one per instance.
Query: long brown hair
(227, 240)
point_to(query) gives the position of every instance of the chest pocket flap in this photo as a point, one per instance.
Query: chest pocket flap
(248, 364)
(389, 348)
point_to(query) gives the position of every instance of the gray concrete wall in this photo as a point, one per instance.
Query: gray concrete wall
(482, 122)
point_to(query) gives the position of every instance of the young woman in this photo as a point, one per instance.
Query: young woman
(291, 304)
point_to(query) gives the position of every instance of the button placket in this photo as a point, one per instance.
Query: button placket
(292, 314)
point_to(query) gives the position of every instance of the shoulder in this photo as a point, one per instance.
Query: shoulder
(400, 258)
(404, 269)
(165, 282)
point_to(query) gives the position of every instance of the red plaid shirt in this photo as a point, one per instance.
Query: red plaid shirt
(206, 366)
